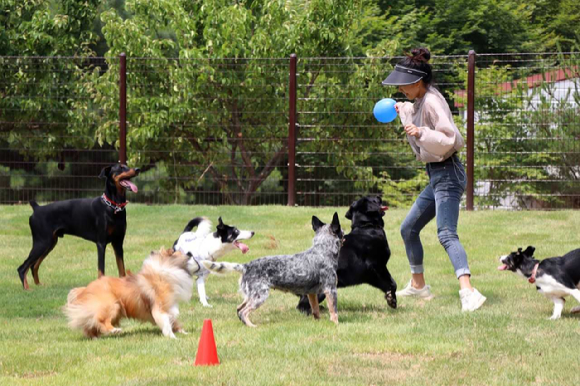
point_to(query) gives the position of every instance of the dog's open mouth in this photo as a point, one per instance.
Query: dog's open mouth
(502, 267)
(384, 208)
(129, 185)
(243, 247)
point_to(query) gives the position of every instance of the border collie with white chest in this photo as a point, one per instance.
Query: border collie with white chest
(203, 244)
(555, 277)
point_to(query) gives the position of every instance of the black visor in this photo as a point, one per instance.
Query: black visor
(402, 76)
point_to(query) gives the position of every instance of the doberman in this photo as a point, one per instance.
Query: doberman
(101, 220)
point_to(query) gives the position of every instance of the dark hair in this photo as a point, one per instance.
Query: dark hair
(418, 60)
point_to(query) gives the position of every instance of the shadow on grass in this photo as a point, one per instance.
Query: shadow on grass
(135, 330)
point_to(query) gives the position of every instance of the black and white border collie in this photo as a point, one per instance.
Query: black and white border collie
(203, 244)
(555, 277)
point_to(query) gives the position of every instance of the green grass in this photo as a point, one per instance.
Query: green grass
(509, 341)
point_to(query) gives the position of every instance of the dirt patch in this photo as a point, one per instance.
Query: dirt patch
(271, 243)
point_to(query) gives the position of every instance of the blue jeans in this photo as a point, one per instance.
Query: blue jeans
(441, 199)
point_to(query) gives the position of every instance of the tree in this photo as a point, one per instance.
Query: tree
(40, 92)
(218, 112)
(525, 136)
(490, 26)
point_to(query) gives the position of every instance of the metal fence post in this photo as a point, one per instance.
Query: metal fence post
(470, 127)
(123, 108)
(292, 132)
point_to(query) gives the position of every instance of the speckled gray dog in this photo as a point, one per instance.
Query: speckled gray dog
(311, 272)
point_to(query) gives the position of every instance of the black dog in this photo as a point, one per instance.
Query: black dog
(365, 252)
(555, 277)
(101, 220)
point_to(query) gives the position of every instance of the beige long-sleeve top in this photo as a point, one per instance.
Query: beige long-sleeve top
(439, 137)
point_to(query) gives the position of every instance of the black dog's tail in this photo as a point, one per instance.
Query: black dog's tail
(33, 204)
(193, 223)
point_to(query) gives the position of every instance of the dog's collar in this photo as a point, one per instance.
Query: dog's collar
(112, 204)
(367, 225)
(532, 278)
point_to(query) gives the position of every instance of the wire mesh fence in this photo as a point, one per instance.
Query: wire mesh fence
(342, 151)
(209, 131)
(216, 131)
(527, 120)
(50, 148)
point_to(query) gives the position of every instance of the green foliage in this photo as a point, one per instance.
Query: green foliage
(209, 107)
(401, 193)
(525, 137)
(206, 116)
(490, 26)
(47, 28)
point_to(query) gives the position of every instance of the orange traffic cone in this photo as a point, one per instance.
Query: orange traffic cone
(206, 351)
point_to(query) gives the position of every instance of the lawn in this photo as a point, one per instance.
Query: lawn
(509, 341)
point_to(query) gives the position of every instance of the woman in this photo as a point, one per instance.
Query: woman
(435, 140)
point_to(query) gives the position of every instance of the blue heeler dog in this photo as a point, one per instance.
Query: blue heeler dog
(311, 272)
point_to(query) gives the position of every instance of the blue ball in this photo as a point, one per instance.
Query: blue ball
(384, 110)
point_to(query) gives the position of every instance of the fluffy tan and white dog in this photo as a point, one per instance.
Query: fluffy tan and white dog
(152, 295)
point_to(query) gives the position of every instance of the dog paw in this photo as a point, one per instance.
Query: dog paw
(305, 310)
(207, 305)
(575, 310)
(554, 317)
(183, 332)
(391, 299)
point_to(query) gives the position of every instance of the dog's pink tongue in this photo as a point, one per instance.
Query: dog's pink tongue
(502, 267)
(130, 185)
(243, 247)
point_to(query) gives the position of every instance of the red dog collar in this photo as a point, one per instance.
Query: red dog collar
(117, 207)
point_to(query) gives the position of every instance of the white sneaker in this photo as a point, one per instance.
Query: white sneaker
(471, 300)
(423, 293)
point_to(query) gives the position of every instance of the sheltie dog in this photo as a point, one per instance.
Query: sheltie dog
(152, 295)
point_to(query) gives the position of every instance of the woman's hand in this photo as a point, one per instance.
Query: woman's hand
(413, 131)
(398, 106)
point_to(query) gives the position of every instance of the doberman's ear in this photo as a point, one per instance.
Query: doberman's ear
(335, 224)
(316, 224)
(105, 172)
(220, 223)
(529, 251)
